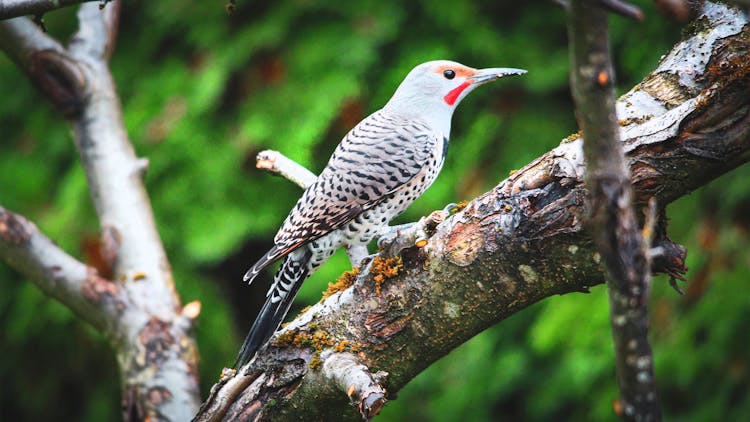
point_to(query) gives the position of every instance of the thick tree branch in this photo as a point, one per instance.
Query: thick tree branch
(613, 220)
(15, 8)
(96, 300)
(152, 336)
(684, 125)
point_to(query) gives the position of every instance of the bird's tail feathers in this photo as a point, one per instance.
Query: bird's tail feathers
(267, 259)
(293, 271)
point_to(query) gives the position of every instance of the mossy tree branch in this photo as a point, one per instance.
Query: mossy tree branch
(521, 242)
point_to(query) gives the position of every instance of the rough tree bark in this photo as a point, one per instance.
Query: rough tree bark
(685, 124)
(138, 309)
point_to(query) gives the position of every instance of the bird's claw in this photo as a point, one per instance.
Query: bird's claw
(416, 234)
(675, 286)
(392, 243)
(366, 261)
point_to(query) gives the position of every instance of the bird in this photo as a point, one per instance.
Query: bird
(378, 169)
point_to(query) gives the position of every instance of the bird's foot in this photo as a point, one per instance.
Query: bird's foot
(398, 238)
(357, 254)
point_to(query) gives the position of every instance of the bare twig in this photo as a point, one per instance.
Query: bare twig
(15, 8)
(278, 163)
(623, 8)
(615, 227)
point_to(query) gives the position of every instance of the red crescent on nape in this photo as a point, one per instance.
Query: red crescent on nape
(451, 97)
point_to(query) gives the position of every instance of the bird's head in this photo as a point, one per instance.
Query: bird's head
(432, 90)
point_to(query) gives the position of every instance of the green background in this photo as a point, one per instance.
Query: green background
(204, 92)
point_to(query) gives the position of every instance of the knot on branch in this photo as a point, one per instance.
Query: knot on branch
(156, 339)
(12, 228)
(60, 79)
(99, 290)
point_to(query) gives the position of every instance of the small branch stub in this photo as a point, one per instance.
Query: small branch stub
(355, 380)
(277, 163)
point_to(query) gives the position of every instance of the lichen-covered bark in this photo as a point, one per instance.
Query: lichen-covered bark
(511, 247)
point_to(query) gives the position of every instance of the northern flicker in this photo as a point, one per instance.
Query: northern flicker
(380, 167)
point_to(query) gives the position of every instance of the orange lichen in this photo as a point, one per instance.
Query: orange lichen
(384, 268)
(462, 204)
(302, 339)
(285, 339)
(341, 346)
(573, 137)
(348, 346)
(318, 340)
(321, 340)
(227, 372)
(315, 362)
(637, 120)
(342, 283)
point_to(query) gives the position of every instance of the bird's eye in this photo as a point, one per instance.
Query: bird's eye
(449, 74)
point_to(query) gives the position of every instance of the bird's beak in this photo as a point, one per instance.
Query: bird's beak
(482, 76)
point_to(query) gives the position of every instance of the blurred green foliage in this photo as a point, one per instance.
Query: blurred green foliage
(203, 92)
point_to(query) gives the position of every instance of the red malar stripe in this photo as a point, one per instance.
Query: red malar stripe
(451, 97)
